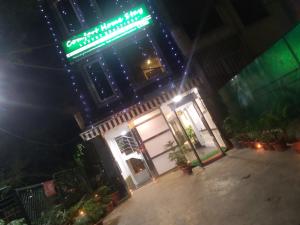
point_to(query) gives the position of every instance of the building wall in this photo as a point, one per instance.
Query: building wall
(269, 83)
(124, 80)
(223, 51)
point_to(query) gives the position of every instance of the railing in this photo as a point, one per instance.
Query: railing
(127, 144)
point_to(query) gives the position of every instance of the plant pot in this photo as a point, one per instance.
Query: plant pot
(250, 144)
(109, 207)
(188, 170)
(115, 197)
(279, 146)
(296, 146)
(267, 146)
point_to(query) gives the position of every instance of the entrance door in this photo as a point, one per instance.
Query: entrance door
(197, 132)
(133, 158)
(155, 134)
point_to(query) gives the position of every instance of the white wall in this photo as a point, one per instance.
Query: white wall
(110, 139)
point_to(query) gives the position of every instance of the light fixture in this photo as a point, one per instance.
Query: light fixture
(258, 145)
(124, 132)
(148, 61)
(81, 213)
(177, 98)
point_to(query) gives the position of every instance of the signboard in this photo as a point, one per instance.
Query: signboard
(107, 32)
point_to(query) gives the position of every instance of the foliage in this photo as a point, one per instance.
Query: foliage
(57, 215)
(293, 130)
(191, 134)
(79, 155)
(94, 209)
(232, 126)
(270, 126)
(18, 222)
(177, 153)
(104, 193)
(2, 222)
(89, 210)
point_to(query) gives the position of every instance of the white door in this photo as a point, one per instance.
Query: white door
(133, 158)
(155, 134)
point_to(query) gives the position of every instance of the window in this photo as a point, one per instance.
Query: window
(127, 143)
(143, 61)
(99, 81)
(68, 15)
(250, 11)
(137, 165)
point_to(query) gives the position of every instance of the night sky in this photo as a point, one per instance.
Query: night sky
(35, 98)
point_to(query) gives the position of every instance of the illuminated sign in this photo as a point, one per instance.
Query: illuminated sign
(107, 32)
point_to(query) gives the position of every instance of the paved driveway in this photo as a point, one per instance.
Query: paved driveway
(244, 188)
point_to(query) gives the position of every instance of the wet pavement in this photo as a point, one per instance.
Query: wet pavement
(244, 188)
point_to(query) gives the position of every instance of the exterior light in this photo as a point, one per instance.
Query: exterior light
(177, 98)
(107, 32)
(124, 132)
(131, 191)
(81, 213)
(258, 145)
(148, 61)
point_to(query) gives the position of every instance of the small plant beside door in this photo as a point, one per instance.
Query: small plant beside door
(177, 154)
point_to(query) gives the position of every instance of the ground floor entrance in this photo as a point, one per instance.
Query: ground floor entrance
(141, 146)
(193, 126)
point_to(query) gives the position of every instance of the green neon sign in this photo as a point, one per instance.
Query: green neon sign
(107, 32)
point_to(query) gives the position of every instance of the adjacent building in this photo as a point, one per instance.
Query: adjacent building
(231, 34)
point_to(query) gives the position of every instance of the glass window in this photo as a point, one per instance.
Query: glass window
(68, 15)
(250, 11)
(99, 81)
(127, 143)
(143, 61)
(137, 165)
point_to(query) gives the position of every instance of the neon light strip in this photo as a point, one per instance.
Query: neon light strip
(107, 32)
(113, 36)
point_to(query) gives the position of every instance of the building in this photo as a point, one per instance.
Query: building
(135, 92)
(226, 35)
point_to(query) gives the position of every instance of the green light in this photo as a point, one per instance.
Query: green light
(107, 32)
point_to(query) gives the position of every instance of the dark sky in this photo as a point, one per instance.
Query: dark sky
(36, 104)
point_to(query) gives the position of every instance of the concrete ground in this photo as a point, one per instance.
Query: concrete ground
(244, 188)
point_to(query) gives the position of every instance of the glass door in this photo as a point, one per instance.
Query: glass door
(198, 133)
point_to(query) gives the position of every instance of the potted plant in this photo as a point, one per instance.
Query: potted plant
(177, 155)
(104, 196)
(232, 126)
(267, 140)
(192, 136)
(274, 128)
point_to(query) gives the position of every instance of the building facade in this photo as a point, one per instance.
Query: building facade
(136, 94)
(226, 35)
